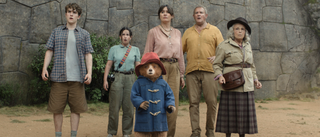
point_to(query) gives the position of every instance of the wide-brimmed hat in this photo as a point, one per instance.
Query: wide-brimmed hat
(240, 20)
(150, 57)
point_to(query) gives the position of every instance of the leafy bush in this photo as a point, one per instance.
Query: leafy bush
(39, 90)
(7, 92)
(101, 46)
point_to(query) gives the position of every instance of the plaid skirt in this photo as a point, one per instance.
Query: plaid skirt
(237, 113)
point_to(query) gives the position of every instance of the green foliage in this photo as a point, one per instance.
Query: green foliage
(101, 46)
(7, 91)
(39, 90)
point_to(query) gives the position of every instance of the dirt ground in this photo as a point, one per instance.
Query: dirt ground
(275, 119)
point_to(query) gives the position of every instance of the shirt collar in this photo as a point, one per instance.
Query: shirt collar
(124, 46)
(207, 27)
(65, 27)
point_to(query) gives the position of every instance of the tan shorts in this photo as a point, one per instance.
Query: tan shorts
(71, 92)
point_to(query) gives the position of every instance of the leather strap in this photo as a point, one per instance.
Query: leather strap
(126, 73)
(125, 57)
(245, 65)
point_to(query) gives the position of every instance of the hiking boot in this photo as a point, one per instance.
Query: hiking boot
(109, 135)
(195, 135)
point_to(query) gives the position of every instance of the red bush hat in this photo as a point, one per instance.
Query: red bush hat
(150, 57)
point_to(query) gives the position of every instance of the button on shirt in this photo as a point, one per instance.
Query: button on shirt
(58, 44)
(116, 54)
(200, 46)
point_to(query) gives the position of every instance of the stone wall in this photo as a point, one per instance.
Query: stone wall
(284, 37)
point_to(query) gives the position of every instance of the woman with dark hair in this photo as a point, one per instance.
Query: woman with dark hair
(166, 42)
(124, 57)
(236, 112)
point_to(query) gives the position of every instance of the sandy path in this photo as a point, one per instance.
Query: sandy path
(275, 119)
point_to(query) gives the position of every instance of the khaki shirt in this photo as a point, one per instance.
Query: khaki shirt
(200, 46)
(229, 52)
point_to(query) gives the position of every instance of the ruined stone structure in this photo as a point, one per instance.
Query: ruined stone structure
(284, 33)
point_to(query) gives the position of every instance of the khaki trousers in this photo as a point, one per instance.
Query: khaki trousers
(196, 82)
(119, 95)
(173, 79)
(150, 134)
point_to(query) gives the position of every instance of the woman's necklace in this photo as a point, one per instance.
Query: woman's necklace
(165, 29)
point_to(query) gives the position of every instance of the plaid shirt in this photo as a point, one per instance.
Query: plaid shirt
(58, 44)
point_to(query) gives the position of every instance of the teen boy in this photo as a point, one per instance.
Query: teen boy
(71, 47)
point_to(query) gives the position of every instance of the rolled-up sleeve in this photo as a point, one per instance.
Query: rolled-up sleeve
(88, 46)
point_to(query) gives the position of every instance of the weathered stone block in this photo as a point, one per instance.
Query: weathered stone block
(294, 13)
(97, 27)
(300, 79)
(291, 60)
(3, 1)
(272, 37)
(44, 19)
(82, 4)
(10, 53)
(154, 21)
(267, 65)
(240, 2)
(282, 82)
(274, 2)
(233, 11)
(254, 9)
(98, 9)
(121, 4)
(119, 19)
(14, 20)
(223, 28)
(318, 23)
(255, 35)
(184, 12)
(26, 57)
(215, 13)
(272, 14)
(143, 9)
(301, 38)
(217, 2)
(268, 90)
(166, 2)
(32, 3)
(140, 33)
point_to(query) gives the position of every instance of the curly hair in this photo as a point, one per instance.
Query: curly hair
(73, 6)
(230, 34)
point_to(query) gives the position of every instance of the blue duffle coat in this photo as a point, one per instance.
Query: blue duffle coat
(160, 96)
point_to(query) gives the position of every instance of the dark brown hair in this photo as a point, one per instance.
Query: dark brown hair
(170, 10)
(73, 6)
(123, 29)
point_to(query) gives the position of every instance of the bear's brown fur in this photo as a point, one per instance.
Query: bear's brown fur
(151, 71)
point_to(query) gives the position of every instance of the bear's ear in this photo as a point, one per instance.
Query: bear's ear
(143, 70)
(158, 70)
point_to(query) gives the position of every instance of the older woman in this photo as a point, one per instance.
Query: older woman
(124, 57)
(236, 112)
(166, 42)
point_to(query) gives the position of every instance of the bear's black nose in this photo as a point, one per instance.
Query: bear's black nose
(150, 70)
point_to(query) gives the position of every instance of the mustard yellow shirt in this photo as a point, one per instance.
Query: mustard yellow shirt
(200, 46)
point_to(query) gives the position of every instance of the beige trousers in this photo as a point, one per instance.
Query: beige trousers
(150, 134)
(173, 79)
(196, 82)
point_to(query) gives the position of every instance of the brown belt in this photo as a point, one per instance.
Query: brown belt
(171, 60)
(245, 65)
(126, 73)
